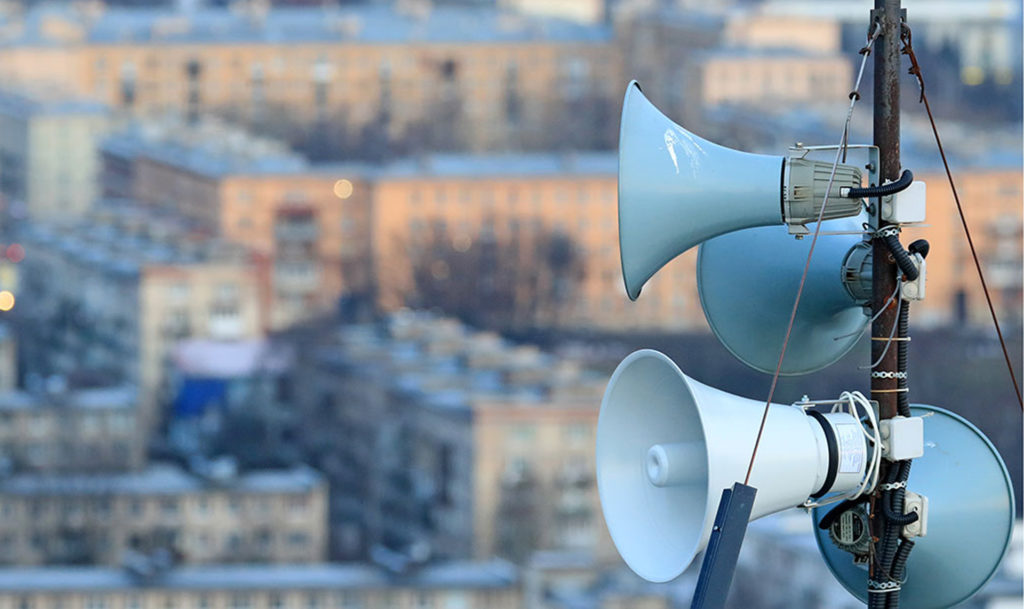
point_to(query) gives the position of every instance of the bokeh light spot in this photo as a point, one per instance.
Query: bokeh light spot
(6, 300)
(462, 243)
(439, 269)
(343, 189)
(15, 252)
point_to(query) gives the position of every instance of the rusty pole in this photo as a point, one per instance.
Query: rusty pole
(887, 138)
(884, 269)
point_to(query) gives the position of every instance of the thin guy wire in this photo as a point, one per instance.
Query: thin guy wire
(873, 317)
(915, 69)
(854, 96)
(888, 343)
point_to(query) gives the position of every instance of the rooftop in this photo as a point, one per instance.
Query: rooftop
(452, 368)
(212, 149)
(366, 24)
(492, 574)
(514, 165)
(121, 238)
(216, 150)
(158, 479)
(120, 397)
(24, 105)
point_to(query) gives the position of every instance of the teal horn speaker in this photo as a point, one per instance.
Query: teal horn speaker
(677, 190)
(748, 279)
(969, 524)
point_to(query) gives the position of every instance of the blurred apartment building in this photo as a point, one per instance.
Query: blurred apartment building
(104, 299)
(8, 353)
(692, 61)
(766, 77)
(321, 231)
(224, 517)
(493, 584)
(48, 160)
(456, 443)
(82, 430)
(991, 195)
(508, 197)
(985, 36)
(448, 75)
(306, 225)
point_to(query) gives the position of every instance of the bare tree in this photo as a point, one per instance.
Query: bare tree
(524, 279)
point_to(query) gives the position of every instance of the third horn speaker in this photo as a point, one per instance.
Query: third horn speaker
(667, 445)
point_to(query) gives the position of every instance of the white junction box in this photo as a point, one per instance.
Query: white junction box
(902, 437)
(914, 290)
(914, 503)
(907, 206)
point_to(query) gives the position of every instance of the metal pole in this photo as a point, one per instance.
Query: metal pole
(884, 270)
(887, 138)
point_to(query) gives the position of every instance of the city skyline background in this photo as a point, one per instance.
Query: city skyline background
(311, 305)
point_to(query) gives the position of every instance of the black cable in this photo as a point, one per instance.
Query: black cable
(903, 328)
(890, 531)
(877, 600)
(893, 500)
(892, 551)
(903, 259)
(921, 246)
(899, 565)
(906, 179)
(830, 518)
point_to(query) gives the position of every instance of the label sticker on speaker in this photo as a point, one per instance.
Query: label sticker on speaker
(851, 448)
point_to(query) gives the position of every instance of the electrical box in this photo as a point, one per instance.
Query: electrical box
(912, 502)
(906, 206)
(914, 290)
(902, 438)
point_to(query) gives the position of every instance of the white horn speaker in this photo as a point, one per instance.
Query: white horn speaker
(667, 446)
(677, 190)
(969, 524)
(748, 279)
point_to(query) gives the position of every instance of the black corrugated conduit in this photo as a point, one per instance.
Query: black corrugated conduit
(893, 501)
(906, 179)
(903, 259)
(899, 565)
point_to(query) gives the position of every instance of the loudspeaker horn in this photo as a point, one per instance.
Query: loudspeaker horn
(970, 517)
(667, 445)
(747, 281)
(677, 189)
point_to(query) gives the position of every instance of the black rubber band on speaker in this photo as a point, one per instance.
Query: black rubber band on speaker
(833, 452)
(782, 190)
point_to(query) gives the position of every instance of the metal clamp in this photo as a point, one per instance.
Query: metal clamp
(891, 486)
(883, 587)
(888, 374)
